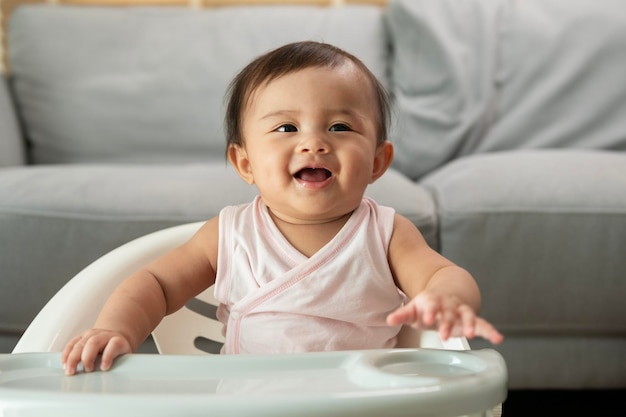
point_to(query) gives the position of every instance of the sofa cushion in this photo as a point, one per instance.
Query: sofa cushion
(66, 216)
(147, 84)
(544, 233)
(478, 76)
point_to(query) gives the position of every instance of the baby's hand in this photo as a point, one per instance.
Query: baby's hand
(86, 347)
(447, 314)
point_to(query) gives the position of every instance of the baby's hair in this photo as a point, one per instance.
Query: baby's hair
(288, 59)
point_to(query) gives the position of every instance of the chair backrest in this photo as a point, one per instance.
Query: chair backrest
(191, 330)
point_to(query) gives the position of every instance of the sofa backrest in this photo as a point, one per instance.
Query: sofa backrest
(12, 150)
(476, 76)
(147, 84)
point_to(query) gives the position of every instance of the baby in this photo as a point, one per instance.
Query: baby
(311, 264)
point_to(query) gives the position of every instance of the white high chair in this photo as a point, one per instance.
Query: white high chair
(190, 331)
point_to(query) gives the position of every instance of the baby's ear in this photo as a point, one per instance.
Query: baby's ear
(238, 157)
(382, 160)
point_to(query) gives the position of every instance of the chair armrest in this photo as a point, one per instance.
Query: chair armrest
(12, 149)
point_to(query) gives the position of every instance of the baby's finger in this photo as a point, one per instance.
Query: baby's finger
(447, 321)
(468, 321)
(68, 349)
(403, 315)
(487, 331)
(93, 347)
(430, 309)
(117, 346)
(73, 357)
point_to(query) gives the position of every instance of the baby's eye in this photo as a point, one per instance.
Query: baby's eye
(287, 128)
(339, 127)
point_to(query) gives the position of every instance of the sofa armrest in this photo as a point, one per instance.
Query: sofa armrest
(12, 150)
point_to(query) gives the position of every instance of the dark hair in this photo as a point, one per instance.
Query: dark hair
(285, 60)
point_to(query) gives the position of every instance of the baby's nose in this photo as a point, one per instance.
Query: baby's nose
(313, 144)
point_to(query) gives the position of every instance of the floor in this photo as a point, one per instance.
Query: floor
(565, 403)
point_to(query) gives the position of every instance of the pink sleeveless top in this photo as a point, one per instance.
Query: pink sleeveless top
(274, 299)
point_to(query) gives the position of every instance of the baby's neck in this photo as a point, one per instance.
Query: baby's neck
(308, 238)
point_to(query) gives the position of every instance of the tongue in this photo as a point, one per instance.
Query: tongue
(313, 174)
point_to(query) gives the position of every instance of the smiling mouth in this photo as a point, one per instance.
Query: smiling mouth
(313, 174)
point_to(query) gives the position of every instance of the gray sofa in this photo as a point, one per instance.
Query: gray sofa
(509, 127)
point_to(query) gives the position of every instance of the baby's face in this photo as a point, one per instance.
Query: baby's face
(310, 143)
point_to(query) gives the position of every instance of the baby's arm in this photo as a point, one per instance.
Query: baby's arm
(142, 300)
(443, 295)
